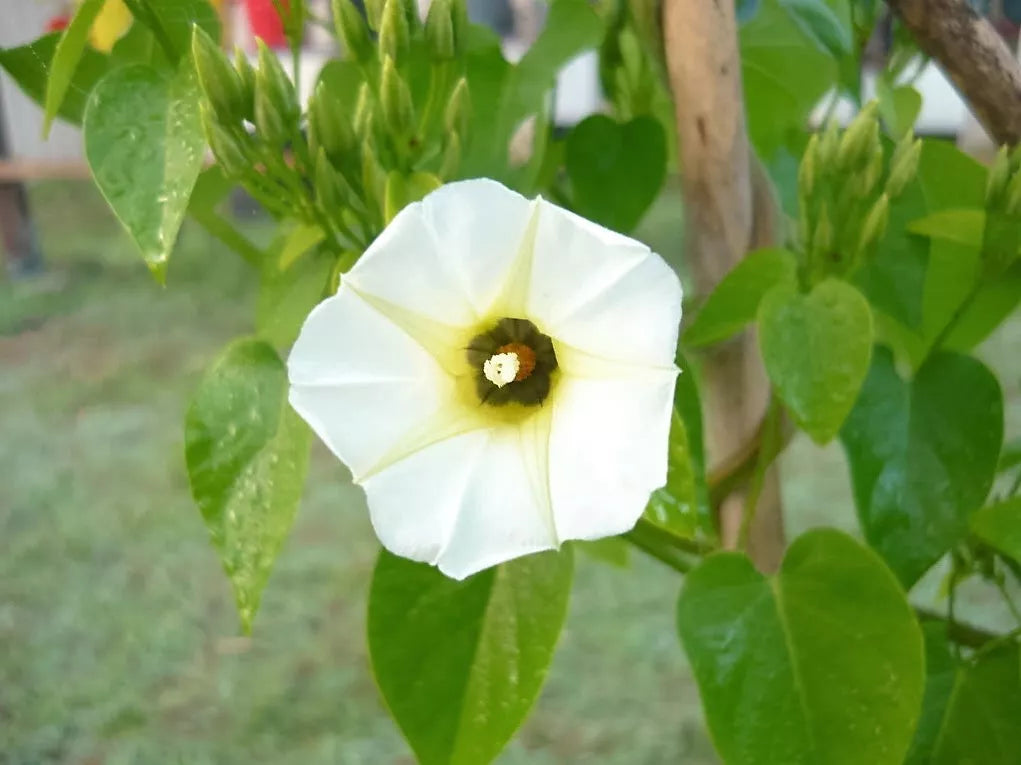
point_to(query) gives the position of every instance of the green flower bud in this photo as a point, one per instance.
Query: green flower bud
(872, 173)
(374, 13)
(999, 177)
(373, 175)
(276, 104)
(828, 144)
(220, 83)
(451, 160)
(394, 36)
(439, 31)
(822, 240)
(459, 20)
(246, 76)
(875, 224)
(807, 171)
(903, 169)
(457, 115)
(229, 154)
(352, 29)
(328, 126)
(365, 112)
(860, 139)
(333, 192)
(395, 99)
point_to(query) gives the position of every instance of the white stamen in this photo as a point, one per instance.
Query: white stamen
(501, 368)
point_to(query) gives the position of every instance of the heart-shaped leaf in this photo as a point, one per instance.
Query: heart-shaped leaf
(816, 349)
(822, 663)
(923, 456)
(460, 663)
(999, 526)
(735, 301)
(144, 144)
(616, 170)
(247, 453)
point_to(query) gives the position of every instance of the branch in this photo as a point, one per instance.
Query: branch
(974, 57)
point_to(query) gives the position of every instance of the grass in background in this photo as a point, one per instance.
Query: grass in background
(118, 638)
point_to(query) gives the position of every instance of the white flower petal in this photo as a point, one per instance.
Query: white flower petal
(608, 451)
(468, 502)
(360, 382)
(505, 511)
(602, 293)
(448, 256)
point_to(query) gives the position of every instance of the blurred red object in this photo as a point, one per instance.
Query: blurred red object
(265, 22)
(58, 23)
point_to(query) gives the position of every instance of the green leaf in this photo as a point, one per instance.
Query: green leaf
(816, 349)
(785, 74)
(503, 96)
(461, 663)
(28, 65)
(247, 454)
(821, 25)
(999, 526)
(980, 724)
(402, 190)
(66, 57)
(899, 106)
(735, 301)
(144, 144)
(995, 301)
(922, 455)
(897, 278)
(291, 285)
(616, 169)
(940, 675)
(822, 663)
(963, 226)
(612, 550)
(174, 20)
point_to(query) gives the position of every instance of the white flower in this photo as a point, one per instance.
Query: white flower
(498, 375)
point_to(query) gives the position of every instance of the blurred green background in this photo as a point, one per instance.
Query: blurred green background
(118, 638)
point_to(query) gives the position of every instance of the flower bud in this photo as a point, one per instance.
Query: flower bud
(395, 99)
(228, 153)
(246, 76)
(904, 168)
(393, 32)
(457, 116)
(807, 171)
(374, 13)
(860, 139)
(439, 31)
(352, 29)
(871, 174)
(876, 222)
(822, 239)
(276, 104)
(999, 177)
(828, 144)
(328, 126)
(220, 83)
(333, 192)
(451, 160)
(373, 175)
(459, 20)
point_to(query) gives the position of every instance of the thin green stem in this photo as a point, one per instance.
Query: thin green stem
(1011, 605)
(768, 451)
(221, 229)
(663, 555)
(663, 535)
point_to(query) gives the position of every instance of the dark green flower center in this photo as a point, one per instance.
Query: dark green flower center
(535, 352)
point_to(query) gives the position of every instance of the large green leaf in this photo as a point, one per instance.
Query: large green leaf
(28, 65)
(461, 663)
(291, 284)
(821, 25)
(247, 454)
(616, 170)
(504, 95)
(940, 674)
(999, 526)
(66, 57)
(922, 455)
(980, 724)
(816, 349)
(822, 663)
(785, 74)
(174, 19)
(735, 301)
(144, 144)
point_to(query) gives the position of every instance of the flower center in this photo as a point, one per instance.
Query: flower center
(513, 363)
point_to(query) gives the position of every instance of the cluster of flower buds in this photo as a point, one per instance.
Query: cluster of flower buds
(845, 185)
(349, 162)
(1001, 238)
(1003, 193)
